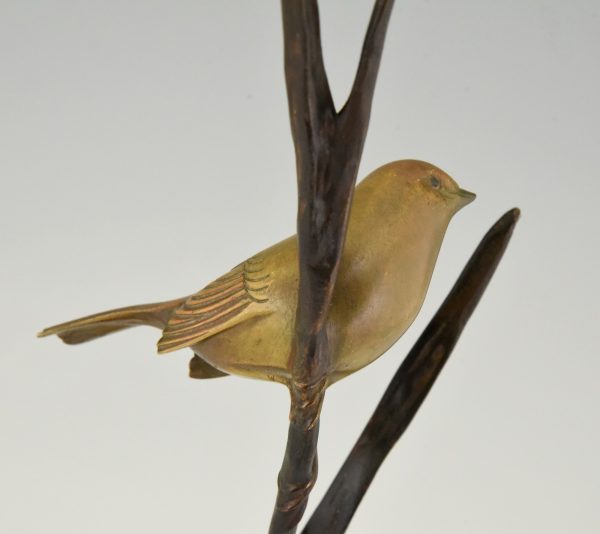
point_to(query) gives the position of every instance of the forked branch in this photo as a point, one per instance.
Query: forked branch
(411, 383)
(328, 149)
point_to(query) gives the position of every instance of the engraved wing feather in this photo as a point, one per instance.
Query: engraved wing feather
(229, 300)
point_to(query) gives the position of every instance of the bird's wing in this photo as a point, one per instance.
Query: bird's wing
(233, 298)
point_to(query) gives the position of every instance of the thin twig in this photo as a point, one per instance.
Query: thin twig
(410, 384)
(328, 150)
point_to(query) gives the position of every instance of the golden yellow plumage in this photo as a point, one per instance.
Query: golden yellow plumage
(243, 322)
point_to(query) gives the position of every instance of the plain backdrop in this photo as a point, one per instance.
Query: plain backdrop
(145, 150)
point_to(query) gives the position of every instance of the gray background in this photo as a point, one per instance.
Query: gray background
(145, 149)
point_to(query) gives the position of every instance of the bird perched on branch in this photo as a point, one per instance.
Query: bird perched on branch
(243, 322)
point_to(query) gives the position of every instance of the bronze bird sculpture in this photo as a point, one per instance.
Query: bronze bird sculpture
(243, 322)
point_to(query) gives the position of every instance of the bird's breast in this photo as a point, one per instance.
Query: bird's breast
(378, 295)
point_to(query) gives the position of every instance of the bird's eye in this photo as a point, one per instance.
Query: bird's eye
(435, 182)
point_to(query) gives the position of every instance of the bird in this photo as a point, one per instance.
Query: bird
(243, 322)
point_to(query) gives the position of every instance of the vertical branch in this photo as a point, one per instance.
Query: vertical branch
(358, 105)
(328, 148)
(368, 66)
(411, 384)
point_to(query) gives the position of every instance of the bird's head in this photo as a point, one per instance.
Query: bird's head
(418, 186)
(439, 189)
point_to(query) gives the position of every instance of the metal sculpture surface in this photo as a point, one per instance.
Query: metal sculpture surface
(243, 322)
(325, 303)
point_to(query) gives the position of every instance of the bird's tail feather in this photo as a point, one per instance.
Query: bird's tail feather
(100, 324)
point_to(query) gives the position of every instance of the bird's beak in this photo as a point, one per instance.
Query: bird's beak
(465, 197)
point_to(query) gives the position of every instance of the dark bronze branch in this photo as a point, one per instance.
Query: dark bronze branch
(410, 385)
(328, 148)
